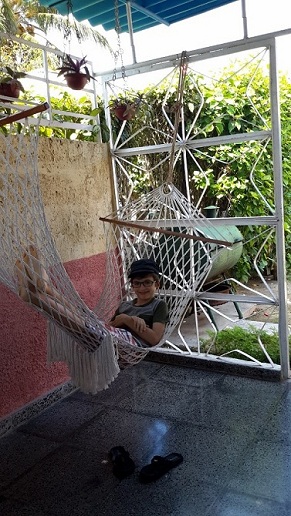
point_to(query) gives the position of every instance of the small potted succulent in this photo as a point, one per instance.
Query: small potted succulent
(125, 108)
(75, 72)
(10, 86)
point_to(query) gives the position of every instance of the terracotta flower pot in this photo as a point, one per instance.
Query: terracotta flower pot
(124, 112)
(9, 89)
(76, 81)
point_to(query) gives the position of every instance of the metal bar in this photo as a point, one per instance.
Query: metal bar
(148, 13)
(218, 221)
(195, 144)
(24, 114)
(279, 207)
(166, 232)
(130, 29)
(32, 44)
(244, 18)
(241, 298)
(201, 54)
(46, 71)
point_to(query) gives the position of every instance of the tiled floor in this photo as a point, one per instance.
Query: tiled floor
(234, 434)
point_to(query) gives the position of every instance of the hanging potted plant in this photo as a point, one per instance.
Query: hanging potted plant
(10, 86)
(75, 72)
(125, 108)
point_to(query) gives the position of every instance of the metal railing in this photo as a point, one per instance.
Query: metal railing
(49, 78)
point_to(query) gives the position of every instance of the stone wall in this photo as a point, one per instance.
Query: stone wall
(75, 180)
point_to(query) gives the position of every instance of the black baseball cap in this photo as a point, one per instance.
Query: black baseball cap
(144, 266)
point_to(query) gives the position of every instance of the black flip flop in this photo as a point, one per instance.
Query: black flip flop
(159, 466)
(123, 465)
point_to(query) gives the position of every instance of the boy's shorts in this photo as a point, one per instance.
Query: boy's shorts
(125, 336)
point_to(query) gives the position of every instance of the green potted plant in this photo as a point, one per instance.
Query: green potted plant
(125, 108)
(10, 86)
(75, 72)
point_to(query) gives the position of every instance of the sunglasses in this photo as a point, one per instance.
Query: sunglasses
(145, 283)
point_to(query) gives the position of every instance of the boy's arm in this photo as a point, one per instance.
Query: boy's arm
(135, 324)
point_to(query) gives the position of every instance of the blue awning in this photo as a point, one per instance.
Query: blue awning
(145, 13)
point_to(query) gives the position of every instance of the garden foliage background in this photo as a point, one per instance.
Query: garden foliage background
(226, 110)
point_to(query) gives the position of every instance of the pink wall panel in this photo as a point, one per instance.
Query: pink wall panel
(24, 373)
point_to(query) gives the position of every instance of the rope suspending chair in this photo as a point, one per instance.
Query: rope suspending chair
(162, 225)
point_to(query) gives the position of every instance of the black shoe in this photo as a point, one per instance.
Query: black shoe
(158, 467)
(123, 465)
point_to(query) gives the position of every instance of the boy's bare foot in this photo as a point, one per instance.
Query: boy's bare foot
(31, 276)
(23, 288)
(34, 269)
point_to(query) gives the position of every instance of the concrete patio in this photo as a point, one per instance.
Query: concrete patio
(233, 432)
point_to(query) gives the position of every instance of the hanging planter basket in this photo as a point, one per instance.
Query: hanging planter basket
(76, 81)
(75, 72)
(124, 111)
(126, 108)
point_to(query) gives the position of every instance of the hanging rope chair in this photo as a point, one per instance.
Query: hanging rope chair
(162, 225)
(165, 227)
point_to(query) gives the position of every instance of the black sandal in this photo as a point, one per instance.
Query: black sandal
(123, 465)
(159, 466)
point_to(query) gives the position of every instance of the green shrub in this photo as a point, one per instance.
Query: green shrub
(245, 340)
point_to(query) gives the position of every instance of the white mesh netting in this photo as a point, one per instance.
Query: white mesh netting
(31, 267)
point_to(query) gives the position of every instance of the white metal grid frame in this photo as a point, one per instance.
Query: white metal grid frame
(54, 117)
(273, 219)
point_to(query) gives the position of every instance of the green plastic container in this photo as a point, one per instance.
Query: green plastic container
(227, 257)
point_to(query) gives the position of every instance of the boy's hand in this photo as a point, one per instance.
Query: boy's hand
(139, 324)
(132, 322)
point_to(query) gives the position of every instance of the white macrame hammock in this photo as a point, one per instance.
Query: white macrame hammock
(162, 225)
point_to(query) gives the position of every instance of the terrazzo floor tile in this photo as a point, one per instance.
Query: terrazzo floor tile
(186, 376)
(170, 400)
(14, 508)
(233, 433)
(210, 455)
(236, 405)
(61, 476)
(171, 495)
(62, 419)
(19, 452)
(265, 472)
(277, 428)
(124, 385)
(137, 433)
(219, 407)
(237, 504)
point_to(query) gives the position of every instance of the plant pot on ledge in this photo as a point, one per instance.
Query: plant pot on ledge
(10, 89)
(10, 86)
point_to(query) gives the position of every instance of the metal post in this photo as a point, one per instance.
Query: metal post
(130, 30)
(279, 209)
(244, 18)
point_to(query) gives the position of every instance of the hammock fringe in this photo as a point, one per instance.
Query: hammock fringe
(91, 372)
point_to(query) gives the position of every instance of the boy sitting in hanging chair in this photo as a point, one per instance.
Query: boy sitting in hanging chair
(144, 317)
(140, 322)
